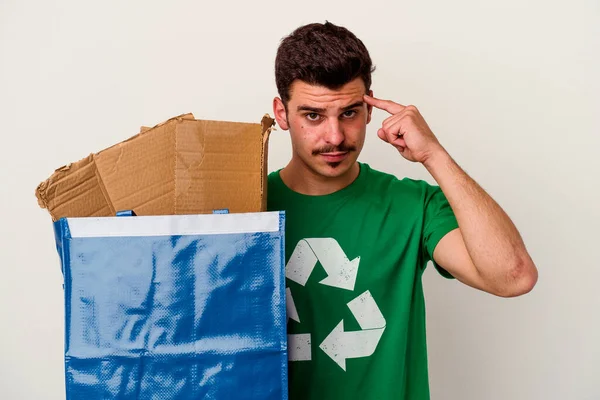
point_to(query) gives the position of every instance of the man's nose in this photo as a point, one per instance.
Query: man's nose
(334, 134)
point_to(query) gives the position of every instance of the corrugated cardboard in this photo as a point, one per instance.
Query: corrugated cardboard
(181, 166)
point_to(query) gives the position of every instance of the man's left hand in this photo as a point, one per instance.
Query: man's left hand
(406, 130)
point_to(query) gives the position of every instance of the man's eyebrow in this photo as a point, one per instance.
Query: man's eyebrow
(353, 105)
(309, 108)
(322, 110)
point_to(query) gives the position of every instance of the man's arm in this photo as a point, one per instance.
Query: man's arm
(486, 252)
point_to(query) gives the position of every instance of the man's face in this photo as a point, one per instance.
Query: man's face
(327, 127)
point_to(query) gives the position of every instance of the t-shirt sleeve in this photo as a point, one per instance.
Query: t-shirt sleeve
(439, 219)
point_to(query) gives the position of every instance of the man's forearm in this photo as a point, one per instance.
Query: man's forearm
(492, 240)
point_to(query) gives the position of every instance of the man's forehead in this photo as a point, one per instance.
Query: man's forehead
(314, 96)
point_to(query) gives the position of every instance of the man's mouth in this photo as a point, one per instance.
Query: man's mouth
(334, 156)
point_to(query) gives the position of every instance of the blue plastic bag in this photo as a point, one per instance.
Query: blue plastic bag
(174, 307)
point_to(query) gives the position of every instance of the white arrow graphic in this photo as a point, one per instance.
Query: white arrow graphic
(299, 347)
(341, 272)
(340, 345)
(291, 306)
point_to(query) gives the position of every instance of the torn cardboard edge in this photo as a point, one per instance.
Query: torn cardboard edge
(179, 166)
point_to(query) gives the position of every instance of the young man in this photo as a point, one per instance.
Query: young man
(358, 240)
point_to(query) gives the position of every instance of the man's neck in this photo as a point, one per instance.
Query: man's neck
(301, 179)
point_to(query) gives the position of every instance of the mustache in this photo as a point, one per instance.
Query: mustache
(342, 148)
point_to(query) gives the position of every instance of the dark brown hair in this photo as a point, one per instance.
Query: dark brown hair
(321, 54)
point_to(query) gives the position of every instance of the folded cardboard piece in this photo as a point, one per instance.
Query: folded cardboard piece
(181, 166)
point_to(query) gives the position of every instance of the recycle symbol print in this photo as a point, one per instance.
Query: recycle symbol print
(339, 345)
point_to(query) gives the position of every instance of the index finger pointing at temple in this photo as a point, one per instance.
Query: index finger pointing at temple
(386, 105)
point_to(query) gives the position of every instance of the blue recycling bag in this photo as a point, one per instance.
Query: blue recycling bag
(174, 307)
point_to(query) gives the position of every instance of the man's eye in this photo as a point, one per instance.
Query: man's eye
(349, 114)
(312, 116)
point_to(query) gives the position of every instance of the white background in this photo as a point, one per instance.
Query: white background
(510, 87)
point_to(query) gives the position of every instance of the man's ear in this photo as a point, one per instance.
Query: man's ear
(280, 114)
(369, 108)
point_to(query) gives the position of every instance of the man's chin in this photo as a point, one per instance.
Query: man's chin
(336, 168)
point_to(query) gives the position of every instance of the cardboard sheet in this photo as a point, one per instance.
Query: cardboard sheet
(180, 166)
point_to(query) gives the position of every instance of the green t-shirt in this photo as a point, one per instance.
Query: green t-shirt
(354, 262)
